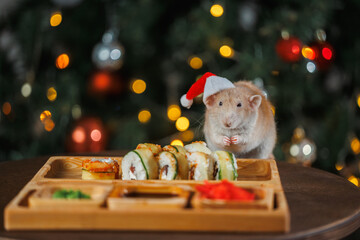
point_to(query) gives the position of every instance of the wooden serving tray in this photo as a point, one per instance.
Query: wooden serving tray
(33, 209)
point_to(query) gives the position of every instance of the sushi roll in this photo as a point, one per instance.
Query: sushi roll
(180, 154)
(168, 165)
(225, 166)
(100, 169)
(201, 166)
(154, 148)
(139, 164)
(198, 146)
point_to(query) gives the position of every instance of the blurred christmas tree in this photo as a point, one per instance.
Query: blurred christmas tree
(93, 75)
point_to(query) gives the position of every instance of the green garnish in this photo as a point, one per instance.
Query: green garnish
(69, 194)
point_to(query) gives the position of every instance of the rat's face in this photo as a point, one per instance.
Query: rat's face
(231, 109)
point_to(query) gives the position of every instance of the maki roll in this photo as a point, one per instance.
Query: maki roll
(225, 166)
(100, 169)
(139, 164)
(168, 166)
(154, 148)
(201, 166)
(182, 163)
(198, 146)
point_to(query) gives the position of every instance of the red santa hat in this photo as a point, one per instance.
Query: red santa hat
(208, 84)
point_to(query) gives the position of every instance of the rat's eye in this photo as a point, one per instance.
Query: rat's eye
(238, 105)
(220, 103)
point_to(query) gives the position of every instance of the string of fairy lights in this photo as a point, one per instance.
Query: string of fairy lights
(174, 113)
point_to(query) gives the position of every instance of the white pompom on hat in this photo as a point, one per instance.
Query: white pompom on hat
(208, 84)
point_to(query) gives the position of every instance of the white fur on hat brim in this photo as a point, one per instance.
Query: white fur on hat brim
(215, 84)
(186, 102)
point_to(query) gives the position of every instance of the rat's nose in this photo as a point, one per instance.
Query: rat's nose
(227, 124)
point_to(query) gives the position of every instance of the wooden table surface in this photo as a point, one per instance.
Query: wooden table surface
(322, 206)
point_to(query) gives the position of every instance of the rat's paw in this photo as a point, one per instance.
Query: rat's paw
(226, 141)
(236, 140)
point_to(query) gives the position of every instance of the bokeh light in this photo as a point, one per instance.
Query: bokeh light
(79, 135)
(308, 53)
(216, 10)
(173, 112)
(187, 136)
(339, 166)
(49, 124)
(226, 51)
(26, 90)
(101, 81)
(55, 19)
(177, 142)
(45, 115)
(6, 108)
(311, 67)
(195, 62)
(62, 61)
(51, 94)
(138, 86)
(354, 180)
(327, 53)
(144, 116)
(355, 145)
(76, 111)
(358, 100)
(95, 135)
(182, 124)
(273, 110)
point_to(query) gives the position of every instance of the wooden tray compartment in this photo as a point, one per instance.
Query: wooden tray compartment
(42, 197)
(149, 197)
(264, 199)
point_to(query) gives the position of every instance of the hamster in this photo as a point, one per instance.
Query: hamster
(240, 120)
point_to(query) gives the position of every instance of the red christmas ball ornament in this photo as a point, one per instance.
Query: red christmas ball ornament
(324, 54)
(289, 49)
(87, 135)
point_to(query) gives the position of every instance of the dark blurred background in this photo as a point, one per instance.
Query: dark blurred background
(89, 76)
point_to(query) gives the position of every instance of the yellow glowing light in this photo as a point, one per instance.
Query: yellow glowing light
(177, 142)
(138, 86)
(95, 135)
(226, 51)
(144, 116)
(273, 110)
(339, 167)
(79, 135)
(55, 19)
(49, 124)
(45, 115)
(51, 94)
(182, 124)
(62, 61)
(6, 108)
(187, 136)
(354, 180)
(355, 145)
(308, 53)
(195, 62)
(216, 10)
(173, 112)
(358, 100)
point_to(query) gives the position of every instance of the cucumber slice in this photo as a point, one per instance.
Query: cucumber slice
(177, 150)
(226, 166)
(233, 162)
(176, 166)
(147, 174)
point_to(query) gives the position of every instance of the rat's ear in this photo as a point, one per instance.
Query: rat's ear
(255, 101)
(209, 101)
